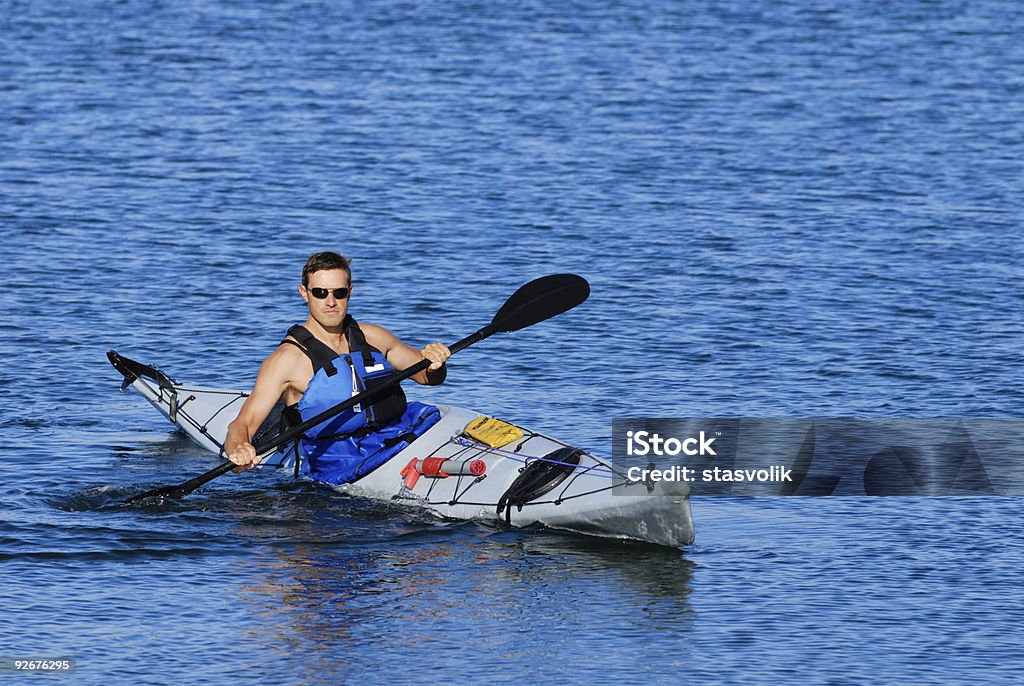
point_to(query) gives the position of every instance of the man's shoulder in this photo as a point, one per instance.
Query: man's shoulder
(287, 357)
(373, 329)
(379, 337)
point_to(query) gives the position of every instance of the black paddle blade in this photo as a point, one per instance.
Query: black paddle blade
(163, 492)
(182, 490)
(541, 299)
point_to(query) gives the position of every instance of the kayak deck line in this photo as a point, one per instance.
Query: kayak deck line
(607, 470)
(526, 460)
(530, 480)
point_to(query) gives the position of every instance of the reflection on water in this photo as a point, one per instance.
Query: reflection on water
(434, 590)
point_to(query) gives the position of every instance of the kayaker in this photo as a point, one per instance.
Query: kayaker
(323, 362)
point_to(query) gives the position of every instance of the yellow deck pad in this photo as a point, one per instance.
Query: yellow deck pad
(492, 432)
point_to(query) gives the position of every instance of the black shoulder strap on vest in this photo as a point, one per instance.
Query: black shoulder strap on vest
(318, 352)
(357, 341)
(388, 406)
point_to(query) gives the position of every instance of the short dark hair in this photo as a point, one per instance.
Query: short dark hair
(322, 261)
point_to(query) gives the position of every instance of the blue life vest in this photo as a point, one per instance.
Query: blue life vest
(360, 439)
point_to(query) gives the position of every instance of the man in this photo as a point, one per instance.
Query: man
(326, 360)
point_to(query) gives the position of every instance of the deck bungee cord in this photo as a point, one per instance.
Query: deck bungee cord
(603, 470)
(526, 492)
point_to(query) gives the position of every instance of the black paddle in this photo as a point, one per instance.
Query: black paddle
(534, 302)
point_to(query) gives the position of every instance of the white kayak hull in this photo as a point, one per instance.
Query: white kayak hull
(589, 499)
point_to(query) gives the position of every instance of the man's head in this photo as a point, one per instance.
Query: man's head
(326, 286)
(321, 261)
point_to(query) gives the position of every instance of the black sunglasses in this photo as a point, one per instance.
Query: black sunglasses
(321, 293)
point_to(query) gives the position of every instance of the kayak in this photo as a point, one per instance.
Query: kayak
(465, 466)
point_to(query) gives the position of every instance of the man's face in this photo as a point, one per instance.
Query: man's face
(329, 311)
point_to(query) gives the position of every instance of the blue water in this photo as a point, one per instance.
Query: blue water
(784, 209)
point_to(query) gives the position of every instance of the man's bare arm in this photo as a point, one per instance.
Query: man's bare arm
(274, 378)
(402, 356)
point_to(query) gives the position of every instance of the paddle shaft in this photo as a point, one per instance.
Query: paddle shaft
(284, 437)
